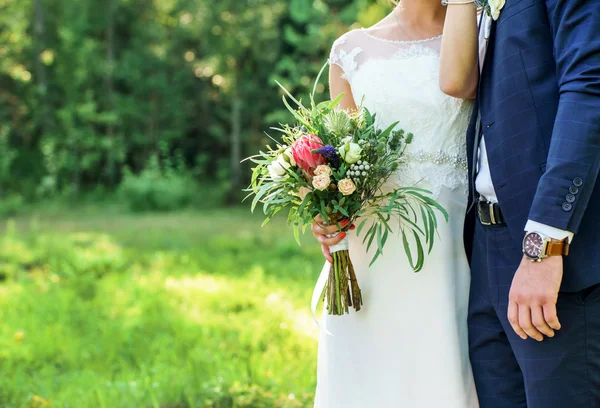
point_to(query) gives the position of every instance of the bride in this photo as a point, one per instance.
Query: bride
(407, 347)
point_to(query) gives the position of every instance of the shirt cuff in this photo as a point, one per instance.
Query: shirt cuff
(549, 231)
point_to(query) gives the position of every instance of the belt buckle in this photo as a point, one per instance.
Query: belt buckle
(492, 216)
(480, 217)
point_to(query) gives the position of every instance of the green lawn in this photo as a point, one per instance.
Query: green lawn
(101, 308)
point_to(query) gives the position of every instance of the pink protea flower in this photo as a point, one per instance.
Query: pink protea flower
(303, 155)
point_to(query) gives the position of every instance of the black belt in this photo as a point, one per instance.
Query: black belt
(489, 213)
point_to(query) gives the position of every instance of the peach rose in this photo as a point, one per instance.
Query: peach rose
(321, 182)
(346, 187)
(323, 169)
(303, 192)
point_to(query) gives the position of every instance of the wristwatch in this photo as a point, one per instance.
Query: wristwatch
(537, 246)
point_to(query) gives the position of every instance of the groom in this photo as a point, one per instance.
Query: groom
(534, 315)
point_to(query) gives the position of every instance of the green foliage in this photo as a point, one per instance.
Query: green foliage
(154, 310)
(78, 259)
(11, 205)
(156, 188)
(90, 88)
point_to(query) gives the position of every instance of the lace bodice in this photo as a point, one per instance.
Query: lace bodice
(399, 81)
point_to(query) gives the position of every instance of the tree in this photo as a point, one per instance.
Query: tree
(92, 87)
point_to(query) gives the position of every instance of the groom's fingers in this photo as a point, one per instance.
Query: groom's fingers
(526, 324)
(551, 317)
(513, 318)
(539, 321)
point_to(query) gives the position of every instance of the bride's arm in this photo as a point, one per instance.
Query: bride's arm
(459, 73)
(338, 85)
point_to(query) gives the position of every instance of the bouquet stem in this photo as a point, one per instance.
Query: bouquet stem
(342, 290)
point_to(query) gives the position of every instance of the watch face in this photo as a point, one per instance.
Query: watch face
(533, 244)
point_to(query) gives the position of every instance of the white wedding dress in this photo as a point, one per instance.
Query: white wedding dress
(408, 346)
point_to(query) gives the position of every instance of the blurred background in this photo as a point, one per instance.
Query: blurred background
(130, 273)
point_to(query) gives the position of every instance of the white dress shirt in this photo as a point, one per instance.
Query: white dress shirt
(483, 181)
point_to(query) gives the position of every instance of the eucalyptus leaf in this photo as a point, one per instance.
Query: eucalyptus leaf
(371, 235)
(420, 254)
(361, 226)
(407, 250)
(297, 233)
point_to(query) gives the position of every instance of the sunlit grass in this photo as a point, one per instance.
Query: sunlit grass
(173, 310)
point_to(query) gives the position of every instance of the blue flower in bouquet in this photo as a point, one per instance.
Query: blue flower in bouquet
(330, 154)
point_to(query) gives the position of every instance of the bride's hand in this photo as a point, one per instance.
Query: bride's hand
(320, 232)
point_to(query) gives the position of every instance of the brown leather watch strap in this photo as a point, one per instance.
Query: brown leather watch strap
(558, 248)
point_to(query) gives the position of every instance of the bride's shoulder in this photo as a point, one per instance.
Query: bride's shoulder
(349, 38)
(345, 49)
(351, 42)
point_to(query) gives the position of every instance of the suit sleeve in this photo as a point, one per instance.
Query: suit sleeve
(574, 155)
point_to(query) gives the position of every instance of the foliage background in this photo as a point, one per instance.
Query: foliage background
(124, 280)
(93, 88)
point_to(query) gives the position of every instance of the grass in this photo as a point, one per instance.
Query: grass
(101, 308)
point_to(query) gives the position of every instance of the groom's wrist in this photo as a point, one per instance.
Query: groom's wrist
(537, 246)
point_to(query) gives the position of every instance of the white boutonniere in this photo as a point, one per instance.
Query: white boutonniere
(492, 7)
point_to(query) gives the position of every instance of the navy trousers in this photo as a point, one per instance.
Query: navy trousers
(563, 371)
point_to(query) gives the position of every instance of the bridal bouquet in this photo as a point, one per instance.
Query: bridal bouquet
(334, 164)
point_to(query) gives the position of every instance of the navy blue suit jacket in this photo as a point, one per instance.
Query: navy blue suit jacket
(539, 99)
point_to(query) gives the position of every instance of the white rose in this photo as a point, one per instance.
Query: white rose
(350, 152)
(323, 169)
(281, 159)
(303, 192)
(346, 187)
(321, 182)
(290, 155)
(276, 170)
(495, 7)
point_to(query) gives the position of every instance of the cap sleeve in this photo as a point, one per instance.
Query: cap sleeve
(343, 54)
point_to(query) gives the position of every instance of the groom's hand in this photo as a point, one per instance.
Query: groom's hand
(533, 297)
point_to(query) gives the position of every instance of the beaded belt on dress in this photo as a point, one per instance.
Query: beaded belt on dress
(439, 157)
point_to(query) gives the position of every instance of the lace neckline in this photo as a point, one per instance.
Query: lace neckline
(366, 32)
